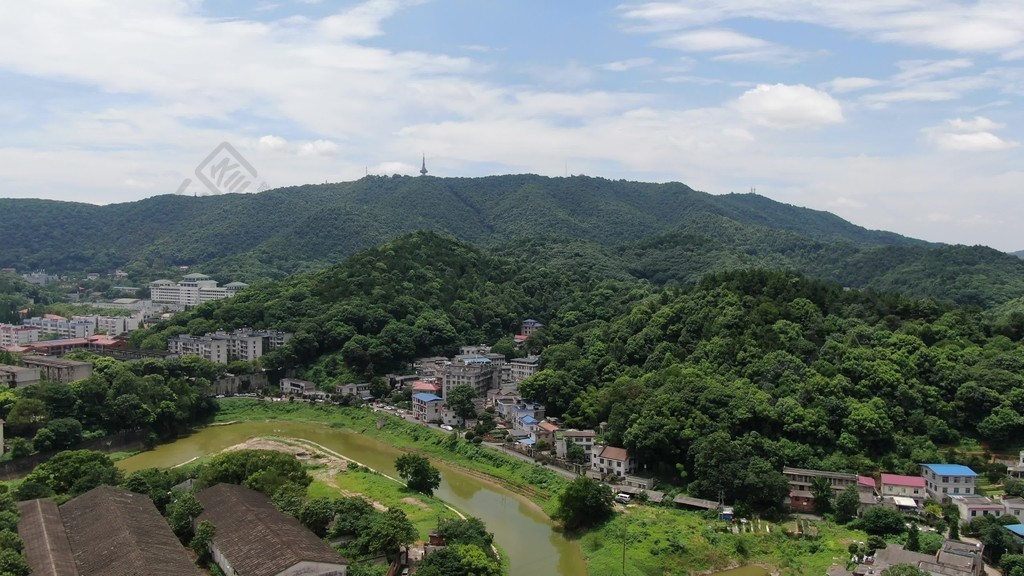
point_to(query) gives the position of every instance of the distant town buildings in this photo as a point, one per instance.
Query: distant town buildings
(11, 335)
(61, 327)
(194, 289)
(225, 347)
(479, 372)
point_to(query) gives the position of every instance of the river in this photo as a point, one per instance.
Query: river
(523, 531)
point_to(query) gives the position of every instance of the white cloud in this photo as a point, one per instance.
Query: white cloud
(785, 106)
(624, 65)
(271, 142)
(850, 84)
(973, 135)
(318, 148)
(712, 40)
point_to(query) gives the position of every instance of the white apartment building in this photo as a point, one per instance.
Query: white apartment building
(11, 335)
(945, 480)
(225, 347)
(112, 325)
(582, 438)
(194, 289)
(478, 372)
(62, 327)
(523, 368)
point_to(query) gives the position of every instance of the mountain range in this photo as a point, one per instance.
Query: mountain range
(660, 232)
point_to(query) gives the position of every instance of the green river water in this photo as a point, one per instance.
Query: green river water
(524, 532)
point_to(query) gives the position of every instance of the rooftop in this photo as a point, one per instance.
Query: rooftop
(950, 469)
(425, 397)
(613, 453)
(1017, 529)
(46, 544)
(901, 480)
(255, 537)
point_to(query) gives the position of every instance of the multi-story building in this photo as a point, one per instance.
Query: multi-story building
(360, 390)
(904, 486)
(17, 376)
(611, 460)
(973, 506)
(582, 438)
(11, 335)
(477, 372)
(194, 289)
(945, 480)
(57, 370)
(224, 347)
(530, 326)
(801, 485)
(112, 325)
(62, 327)
(523, 368)
(427, 407)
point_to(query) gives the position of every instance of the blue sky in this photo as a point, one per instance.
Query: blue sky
(902, 115)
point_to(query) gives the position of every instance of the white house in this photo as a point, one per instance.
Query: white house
(945, 480)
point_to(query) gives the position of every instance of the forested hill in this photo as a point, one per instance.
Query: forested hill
(660, 232)
(726, 381)
(291, 229)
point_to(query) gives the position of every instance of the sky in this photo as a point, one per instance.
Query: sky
(901, 115)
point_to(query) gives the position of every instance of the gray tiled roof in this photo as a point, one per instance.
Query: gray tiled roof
(114, 532)
(255, 537)
(46, 545)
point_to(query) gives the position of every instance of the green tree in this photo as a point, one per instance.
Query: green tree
(316, 514)
(58, 434)
(387, 533)
(262, 470)
(847, 504)
(181, 513)
(1012, 564)
(9, 540)
(882, 521)
(460, 400)
(418, 473)
(12, 563)
(200, 543)
(584, 502)
(913, 538)
(903, 570)
(465, 531)
(75, 472)
(575, 453)
(822, 490)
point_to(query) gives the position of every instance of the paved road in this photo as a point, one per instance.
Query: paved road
(524, 457)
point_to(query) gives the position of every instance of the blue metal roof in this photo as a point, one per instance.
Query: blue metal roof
(425, 397)
(529, 420)
(527, 442)
(1017, 529)
(477, 360)
(950, 469)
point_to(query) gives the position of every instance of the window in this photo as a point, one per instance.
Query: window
(945, 490)
(956, 490)
(974, 513)
(945, 479)
(956, 479)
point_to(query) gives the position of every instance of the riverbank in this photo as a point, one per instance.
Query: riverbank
(535, 482)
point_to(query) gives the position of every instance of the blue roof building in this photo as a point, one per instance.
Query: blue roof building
(944, 480)
(425, 397)
(1017, 529)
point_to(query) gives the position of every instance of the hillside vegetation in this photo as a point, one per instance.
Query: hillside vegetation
(716, 386)
(661, 232)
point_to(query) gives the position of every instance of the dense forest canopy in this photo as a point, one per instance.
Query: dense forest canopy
(716, 384)
(660, 232)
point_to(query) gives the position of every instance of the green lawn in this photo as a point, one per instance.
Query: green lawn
(668, 541)
(424, 511)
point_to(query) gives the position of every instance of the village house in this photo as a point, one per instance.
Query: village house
(427, 407)
(296, 387)
(945, 480)
(360, 390)
(611, 460)
(1016, 470)
(801, 485)
(1014, 506)
(954, 558)
(544, 432)
(107, 531)
(582, 438)
(253, 538)
(523, 368)
(904, 487)
(974, 506)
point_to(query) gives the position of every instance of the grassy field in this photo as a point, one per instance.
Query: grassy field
(534, 481)
(424, 511)
(666, 541)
